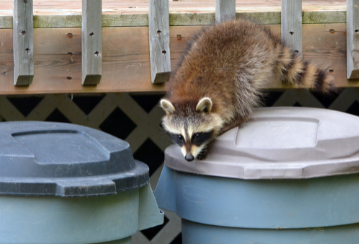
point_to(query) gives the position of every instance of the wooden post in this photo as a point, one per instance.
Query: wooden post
(291, 26)
(353, 39)
(225, 10)
(159, 37)
(91, 41)
(23, 43)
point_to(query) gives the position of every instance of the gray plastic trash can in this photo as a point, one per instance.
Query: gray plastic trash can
(63, 183)
(290, 175)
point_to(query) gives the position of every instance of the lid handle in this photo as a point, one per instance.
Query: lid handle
(73, 188)
(149, 214)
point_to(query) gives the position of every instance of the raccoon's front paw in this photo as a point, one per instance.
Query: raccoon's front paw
(203, 154)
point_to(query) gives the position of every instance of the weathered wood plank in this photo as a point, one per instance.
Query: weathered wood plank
(91, 42)
(23, 43)
(126, 67)
(158, 25)
(292, 24)
(225, 10)
(353, 39)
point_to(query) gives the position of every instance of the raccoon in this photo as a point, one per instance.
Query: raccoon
(218, 80)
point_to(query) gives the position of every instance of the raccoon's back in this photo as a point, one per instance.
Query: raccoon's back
(219, 55)
(231, 61)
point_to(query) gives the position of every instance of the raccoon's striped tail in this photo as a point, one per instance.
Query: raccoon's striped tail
(303, 74)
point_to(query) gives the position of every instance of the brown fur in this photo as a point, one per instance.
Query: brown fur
(229, 63)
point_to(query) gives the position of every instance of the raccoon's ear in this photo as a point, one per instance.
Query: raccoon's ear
(204, 105)
(167, 106)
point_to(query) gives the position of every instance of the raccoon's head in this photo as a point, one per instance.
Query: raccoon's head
(191, 125)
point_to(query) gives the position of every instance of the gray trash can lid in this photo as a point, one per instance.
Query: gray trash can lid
(281, 143)
(43, 158)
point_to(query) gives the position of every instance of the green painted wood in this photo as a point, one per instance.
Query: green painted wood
(175, 19)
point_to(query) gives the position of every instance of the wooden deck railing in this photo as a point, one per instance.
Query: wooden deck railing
(23, 42)
(45, 51)
(91, 42)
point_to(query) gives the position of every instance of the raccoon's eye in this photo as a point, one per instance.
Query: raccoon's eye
(202, 137)
(177, 138)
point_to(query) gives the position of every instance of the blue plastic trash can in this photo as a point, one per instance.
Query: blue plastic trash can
(68, 184)
(290, 175)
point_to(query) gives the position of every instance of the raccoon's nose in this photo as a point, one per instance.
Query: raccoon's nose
(189, 157)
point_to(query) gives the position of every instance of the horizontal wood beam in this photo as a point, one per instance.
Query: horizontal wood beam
(185, 19)
(176, 19)
(126, 67)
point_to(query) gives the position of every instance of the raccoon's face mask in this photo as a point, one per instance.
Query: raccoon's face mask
(193, 128)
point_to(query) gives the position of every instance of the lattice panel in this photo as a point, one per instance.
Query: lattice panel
(136, 119)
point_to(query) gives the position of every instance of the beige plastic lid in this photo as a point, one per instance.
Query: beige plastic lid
(280, 143)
